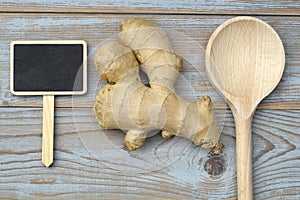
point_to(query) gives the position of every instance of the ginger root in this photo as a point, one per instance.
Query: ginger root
(129, 105)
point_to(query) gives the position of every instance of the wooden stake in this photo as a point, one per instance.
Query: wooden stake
(48, 130)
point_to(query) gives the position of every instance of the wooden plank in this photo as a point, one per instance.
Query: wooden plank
(261, 7)
(76, 174)
(96, 28)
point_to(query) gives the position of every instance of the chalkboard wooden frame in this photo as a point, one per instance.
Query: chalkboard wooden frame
(84, 66)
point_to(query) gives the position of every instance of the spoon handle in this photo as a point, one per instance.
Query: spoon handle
(244, 158)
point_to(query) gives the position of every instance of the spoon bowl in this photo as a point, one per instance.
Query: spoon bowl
(245, 62)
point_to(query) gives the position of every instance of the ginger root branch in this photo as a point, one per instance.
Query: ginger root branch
(131, 106)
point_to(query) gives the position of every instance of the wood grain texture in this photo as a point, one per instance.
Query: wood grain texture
(76, 174)
(48, 130)
(244, 158)
(265, 7)
(98, 27)
(245, 63)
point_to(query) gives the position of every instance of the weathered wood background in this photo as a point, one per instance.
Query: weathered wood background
(76, 174)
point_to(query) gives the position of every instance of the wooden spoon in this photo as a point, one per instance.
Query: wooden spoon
(245, 62)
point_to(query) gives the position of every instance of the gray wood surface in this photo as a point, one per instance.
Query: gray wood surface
(77, 174)
(182, 171)
(265, 7)
(99, 27)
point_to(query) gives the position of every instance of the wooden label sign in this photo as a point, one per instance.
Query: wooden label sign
(48, 68)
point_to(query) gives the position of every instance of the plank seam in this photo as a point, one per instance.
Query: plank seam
(153, 12)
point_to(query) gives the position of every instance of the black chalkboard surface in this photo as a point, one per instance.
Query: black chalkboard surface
(48, 68)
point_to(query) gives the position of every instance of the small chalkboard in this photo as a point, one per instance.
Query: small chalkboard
(48, 68)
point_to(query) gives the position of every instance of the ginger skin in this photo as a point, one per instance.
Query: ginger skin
(129, 105)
